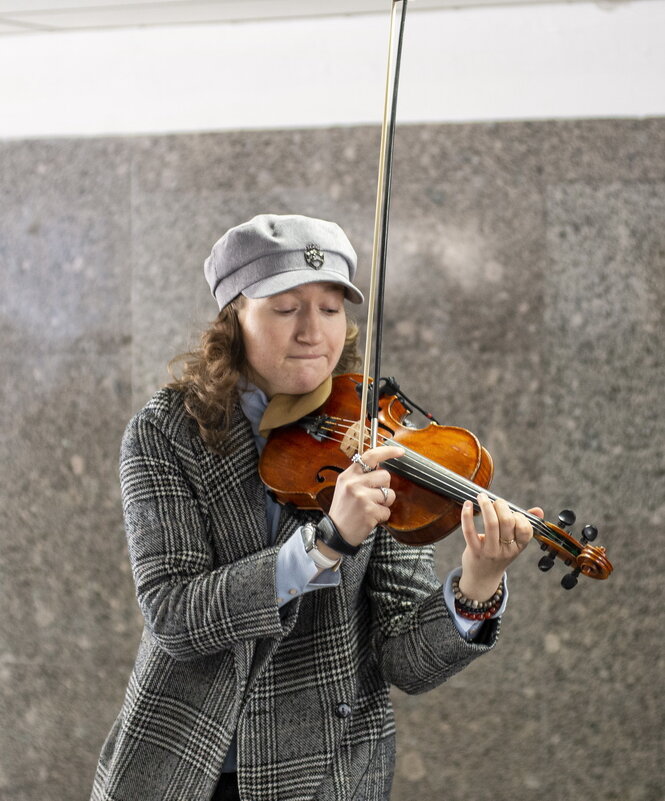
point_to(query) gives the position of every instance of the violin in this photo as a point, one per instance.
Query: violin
(442, 467)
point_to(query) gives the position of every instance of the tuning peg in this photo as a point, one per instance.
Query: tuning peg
(589, 534)
(570, 580)
(546, 562)
(566, 518)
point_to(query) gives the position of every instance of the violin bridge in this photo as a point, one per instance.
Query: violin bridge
(351, 440)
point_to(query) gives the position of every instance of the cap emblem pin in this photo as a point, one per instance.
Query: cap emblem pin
(314, 256)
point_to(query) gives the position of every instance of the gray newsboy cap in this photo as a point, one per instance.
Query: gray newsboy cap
(273, 252)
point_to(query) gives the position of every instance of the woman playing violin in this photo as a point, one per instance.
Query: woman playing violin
(272, 635)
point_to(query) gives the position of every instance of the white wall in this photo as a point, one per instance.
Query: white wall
(489, 63)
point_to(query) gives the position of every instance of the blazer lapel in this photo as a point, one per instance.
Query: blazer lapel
(235, 495)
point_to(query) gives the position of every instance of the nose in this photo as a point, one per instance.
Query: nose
(310, 330)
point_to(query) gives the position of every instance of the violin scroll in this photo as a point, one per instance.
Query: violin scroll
(589, 560)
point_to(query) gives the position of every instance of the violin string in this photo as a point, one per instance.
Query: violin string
(431, 473)
(439, 478)
(437, 474)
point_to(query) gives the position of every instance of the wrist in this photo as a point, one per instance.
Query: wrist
(473, 609)
(324, 558)
(326, 550)
(327, 534)
(479, 589)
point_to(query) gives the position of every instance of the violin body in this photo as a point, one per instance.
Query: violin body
(442, 467)
(301, 469)
(421, 515)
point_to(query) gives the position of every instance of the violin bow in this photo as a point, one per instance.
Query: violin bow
(555, 540)
(380, 242)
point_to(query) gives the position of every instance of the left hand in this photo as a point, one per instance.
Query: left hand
(488, 554)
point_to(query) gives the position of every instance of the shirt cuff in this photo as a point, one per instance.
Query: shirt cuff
(469, 628)
(297, 574)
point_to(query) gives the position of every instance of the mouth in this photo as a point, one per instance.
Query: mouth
(307, 358)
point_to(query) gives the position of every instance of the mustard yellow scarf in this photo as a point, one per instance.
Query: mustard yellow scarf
(283, 409)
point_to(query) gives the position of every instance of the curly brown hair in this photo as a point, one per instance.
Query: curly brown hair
(210, 374)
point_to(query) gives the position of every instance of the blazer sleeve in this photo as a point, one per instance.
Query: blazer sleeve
(415, 639)
(190, 608)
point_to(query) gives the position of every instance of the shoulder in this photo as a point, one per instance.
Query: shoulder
(164, 416)
(166, 408)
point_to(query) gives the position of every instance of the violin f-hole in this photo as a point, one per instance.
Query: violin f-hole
(322, 479)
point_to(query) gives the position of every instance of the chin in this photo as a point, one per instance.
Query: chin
(303, 387)
(303, 384)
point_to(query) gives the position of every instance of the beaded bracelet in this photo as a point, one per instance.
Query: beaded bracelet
(476, 610)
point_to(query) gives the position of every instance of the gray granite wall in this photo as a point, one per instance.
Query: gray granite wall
(525, 302)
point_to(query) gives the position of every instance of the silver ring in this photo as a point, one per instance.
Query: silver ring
(508, 542)
(384, 490)
(358, 459)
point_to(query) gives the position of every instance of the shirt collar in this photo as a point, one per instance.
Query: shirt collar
(253, 402)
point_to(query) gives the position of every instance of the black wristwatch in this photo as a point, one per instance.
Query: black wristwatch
(327, 533)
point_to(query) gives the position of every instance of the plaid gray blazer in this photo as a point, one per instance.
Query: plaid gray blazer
(308, 690)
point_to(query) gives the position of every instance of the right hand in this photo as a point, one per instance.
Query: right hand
(358, 504)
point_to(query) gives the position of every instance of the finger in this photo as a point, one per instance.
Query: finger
(471, 536)
(523, 530)
(506, 520)
(490, 519)
(382, 453)
(387, 496)
(380, 511)
(537, 511)
(377, 478)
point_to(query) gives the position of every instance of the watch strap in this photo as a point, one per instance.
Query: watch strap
(320, 559)
(327, 532)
